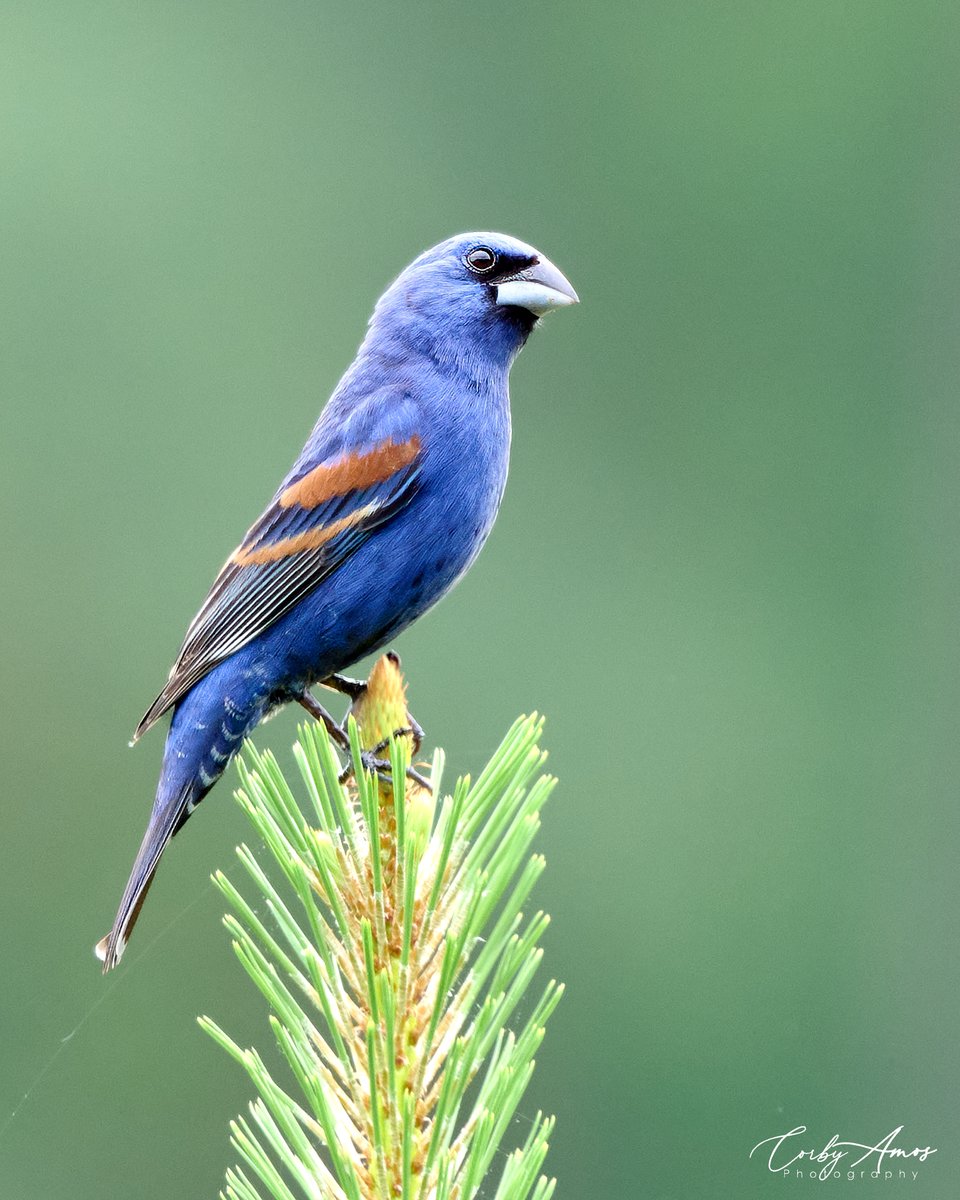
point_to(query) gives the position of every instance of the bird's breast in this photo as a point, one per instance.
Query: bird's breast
(465, 472)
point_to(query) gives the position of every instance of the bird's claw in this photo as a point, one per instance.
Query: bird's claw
(372, 759)
(371, 764)
(412, 731)
(353, 688)
(415, 730)
(381, 767)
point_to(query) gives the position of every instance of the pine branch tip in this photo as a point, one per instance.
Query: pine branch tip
(378, 956)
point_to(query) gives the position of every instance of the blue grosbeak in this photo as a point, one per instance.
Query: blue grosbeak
(387, 506)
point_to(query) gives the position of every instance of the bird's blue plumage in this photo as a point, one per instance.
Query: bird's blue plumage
(386, 506)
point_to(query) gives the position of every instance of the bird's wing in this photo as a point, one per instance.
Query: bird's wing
(320, 516)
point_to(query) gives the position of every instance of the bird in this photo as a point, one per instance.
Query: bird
(385, 508)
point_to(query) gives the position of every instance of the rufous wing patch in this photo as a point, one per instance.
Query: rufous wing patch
(312, 539)
(350, 473)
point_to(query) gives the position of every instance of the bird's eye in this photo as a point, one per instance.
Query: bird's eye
(481, 260)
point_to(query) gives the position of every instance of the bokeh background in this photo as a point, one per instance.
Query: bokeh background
(726, 567)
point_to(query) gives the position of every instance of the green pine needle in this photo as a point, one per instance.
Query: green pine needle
(394, 967)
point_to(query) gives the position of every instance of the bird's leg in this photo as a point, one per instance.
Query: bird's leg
(360, 698)
(416, 731)
(354, 688)
(319, 713)
(368, 757)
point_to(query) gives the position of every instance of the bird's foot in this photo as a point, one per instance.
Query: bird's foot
(415, 730)
(412, 731)
(338, 733)
(382, 769)
(366, 704)
(374, 764)
(371, 764)
(354, 688)
(375, 704)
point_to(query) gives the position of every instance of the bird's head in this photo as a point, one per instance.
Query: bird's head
(472, 300)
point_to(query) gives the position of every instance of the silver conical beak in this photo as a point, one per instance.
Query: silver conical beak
(538, 289)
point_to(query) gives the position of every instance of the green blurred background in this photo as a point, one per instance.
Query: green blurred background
(726, 567)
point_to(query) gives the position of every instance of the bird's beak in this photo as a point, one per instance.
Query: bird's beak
(537, 289)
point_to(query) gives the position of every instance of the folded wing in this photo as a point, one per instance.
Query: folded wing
(310, 529)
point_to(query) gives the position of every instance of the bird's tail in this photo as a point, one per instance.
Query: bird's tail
(207, 730)
(169, 813)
